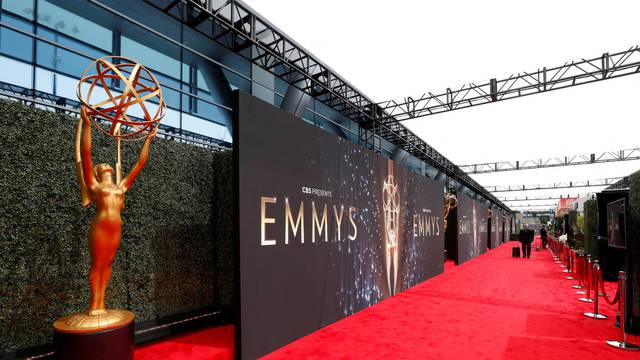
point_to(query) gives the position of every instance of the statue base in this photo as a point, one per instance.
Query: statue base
(106, 336)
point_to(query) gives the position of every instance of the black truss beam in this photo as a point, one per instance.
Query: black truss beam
(571, 160)
(585, 71)
(536, 212)
(552, 186)
(273, 51)
(537, 198)
(540, 206)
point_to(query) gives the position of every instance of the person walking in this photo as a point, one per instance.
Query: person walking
(525, 236)
(543, 236)
(527, 239)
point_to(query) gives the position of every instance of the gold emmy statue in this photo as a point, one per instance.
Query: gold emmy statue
(391, 213)
(450, 202)
(110, 111)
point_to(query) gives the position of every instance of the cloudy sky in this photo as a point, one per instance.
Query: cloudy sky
(390, 50)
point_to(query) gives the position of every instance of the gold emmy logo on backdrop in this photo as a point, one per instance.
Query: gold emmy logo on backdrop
(113, 113)
(450, 202)
(391, 213)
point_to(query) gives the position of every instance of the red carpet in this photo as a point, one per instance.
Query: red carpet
(449, 265)
(492, 307)
(209, 344)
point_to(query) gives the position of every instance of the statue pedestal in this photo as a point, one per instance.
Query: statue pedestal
(112, 341)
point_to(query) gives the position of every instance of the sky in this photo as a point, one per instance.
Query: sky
(391, 50)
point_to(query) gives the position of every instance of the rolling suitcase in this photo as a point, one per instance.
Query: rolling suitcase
(515, 251)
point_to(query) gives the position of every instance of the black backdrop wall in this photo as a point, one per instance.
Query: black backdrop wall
(471, 228)
(464, 228)
(633, 252)
(316, 217)
(501, 226)
(496, 227)
(176, 254)
(612, 259)
(451, 235)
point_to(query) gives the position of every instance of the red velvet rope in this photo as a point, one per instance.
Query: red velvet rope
(588, 274)
(581, 271)
(604, 292)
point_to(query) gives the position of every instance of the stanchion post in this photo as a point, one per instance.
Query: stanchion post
(589, 280)
(579, 269)
(618, 321)
(567, 260)
(595, 314)
(572, 265)
(622, 281)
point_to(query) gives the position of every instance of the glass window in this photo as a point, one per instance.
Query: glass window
(44, 80)
(171, 97)
(23, 8)
(236, 82)
(17, 22)
(169, 86)
(185, 75)
(171, 118)
(16, 45)
(65, 41)
(146, 15)
(202, 84)
(74, 25)
(308, 116)
(204, 127)
(65, 86)
(151, 58)
(60, 60)
(263, 77)
(15, 72)
(204, 45)
(263, 93)
(212, 112)
(186, 99)
(281, 86)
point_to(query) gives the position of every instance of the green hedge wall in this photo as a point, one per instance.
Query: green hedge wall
(571, 234)
(176, 251)
(590, 228)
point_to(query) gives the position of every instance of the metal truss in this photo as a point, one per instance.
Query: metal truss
(537, 212)
(623, 183)
(584, 71)
(559, 185)
(552, 205)
(240, 29)
(535, 198)
(583, 159)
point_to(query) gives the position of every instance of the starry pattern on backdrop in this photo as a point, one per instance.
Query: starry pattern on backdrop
(316, 276)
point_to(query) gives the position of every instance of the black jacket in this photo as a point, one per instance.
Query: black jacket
(521, 235)
(525, 236)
